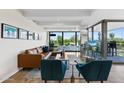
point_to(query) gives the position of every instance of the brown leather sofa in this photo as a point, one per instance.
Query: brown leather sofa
(31, 58)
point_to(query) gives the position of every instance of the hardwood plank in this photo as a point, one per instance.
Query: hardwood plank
(25, 76)
(33, 76)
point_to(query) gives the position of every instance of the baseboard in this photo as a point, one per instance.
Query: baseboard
(9, 75)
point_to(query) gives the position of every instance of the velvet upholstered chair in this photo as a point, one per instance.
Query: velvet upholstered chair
(53, 69)
(95, 70)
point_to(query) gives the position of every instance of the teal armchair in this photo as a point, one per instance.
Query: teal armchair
(53, 69)
(95, 70)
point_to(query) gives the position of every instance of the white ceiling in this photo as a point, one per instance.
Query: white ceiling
(58, 19)
(72, 19)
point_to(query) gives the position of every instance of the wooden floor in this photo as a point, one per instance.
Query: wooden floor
(31, 76)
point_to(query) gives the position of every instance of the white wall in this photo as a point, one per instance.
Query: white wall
(9, 48)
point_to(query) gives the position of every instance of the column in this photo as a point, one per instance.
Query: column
(87, 34)
(92, 29)
(104, 39)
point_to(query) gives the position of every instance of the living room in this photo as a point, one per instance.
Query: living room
(56, 34)
(61, 46)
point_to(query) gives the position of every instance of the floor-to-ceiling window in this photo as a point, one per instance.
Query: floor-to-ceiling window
(116, 33)
(64, 38)
(90, 34)
(55, 39)
(69, 38)
(118, 36)
(96, 35)
(97, 32)
(78, 39)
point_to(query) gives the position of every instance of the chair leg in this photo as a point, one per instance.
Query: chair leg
(45, 81)
(59, 81)
(88, 81)
(79, 74)
(101, 81)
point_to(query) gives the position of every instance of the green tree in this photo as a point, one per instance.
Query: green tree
(111, 35)
(67, 42)
(59, 38)
(51, 43)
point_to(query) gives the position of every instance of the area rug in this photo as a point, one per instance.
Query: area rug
(35, 73)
